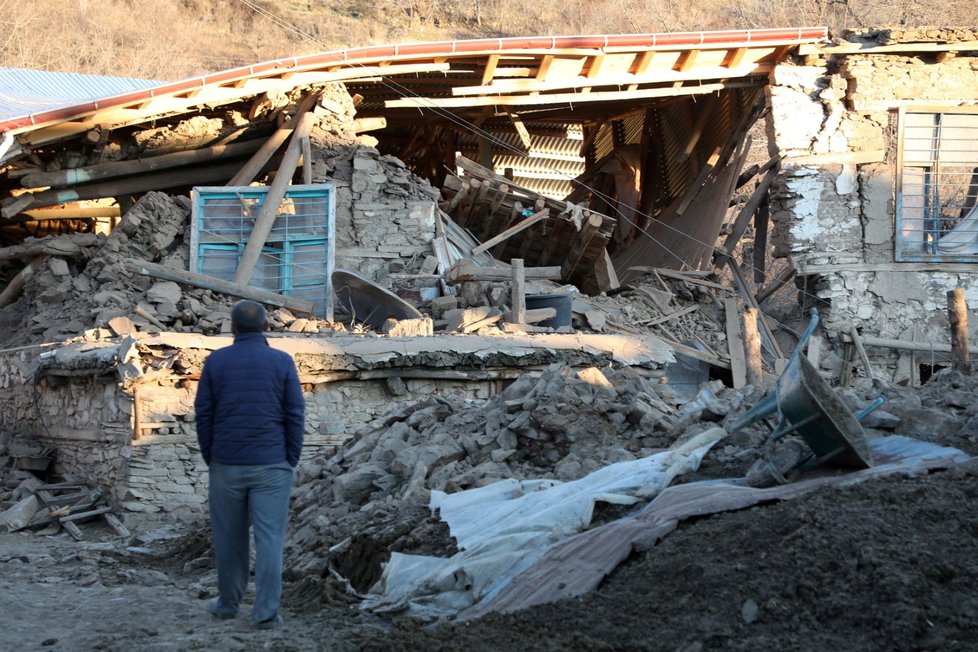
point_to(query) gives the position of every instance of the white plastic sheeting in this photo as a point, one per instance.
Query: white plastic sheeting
(963, 238)
(505, 526)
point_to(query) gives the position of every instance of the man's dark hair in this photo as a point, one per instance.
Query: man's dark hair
(248, 317)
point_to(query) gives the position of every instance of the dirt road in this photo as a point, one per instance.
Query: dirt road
(884, 565)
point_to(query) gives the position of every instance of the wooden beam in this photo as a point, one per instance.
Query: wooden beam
(130, 185)
(735, 57)
(752, 346)
(857, 341)
(520, 130)
(257, 162)
(93, 173)
(805, 268)
(219, 285)
(513, 230)
(751, 300)
(577, 82)
(565, 98)
(490, 70)
(272, 202)
(747, 212)
(776, 284)
(697, 131)
(855, 158)
(73, 212)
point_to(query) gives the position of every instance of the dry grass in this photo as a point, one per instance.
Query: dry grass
(173, 39)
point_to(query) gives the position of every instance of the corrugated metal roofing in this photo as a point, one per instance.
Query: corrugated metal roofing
(24, 92)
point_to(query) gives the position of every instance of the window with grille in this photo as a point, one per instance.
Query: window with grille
(937, 218)
(298, 253)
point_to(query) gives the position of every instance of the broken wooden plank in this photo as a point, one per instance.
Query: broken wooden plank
(762, 218)
(957, 314)
(219, 285)
(272, 202)
(513, 230)
(735, 344)
(116, 524)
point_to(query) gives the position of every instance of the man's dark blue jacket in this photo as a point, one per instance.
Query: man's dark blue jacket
(249, 405)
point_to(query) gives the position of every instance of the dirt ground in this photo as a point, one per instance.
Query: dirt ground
(887, 564)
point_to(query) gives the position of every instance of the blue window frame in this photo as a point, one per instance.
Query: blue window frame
(297, 258)
(937, 188)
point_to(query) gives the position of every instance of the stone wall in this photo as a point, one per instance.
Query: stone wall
(833, 215)
(85, 418)
(168, 478)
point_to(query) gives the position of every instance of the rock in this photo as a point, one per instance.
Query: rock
(356, 485)
(423, 327)
(881, 420)
(749, 611)
(441, 305)
(164, 292)
(930, 424)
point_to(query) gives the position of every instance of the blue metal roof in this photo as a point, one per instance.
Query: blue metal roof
(25, 92)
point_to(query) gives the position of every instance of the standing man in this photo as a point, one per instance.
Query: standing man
(250, 420)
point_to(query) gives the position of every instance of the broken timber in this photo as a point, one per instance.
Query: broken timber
(466, 270)
(219, 285)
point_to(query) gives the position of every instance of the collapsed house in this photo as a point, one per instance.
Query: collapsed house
(875, 204)
(606, 164)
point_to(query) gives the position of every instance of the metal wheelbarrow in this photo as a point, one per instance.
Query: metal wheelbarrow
(808, 407)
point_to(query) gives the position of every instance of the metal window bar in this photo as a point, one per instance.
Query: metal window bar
(937, 218)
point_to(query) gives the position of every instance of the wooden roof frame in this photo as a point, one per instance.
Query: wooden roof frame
(463, 76)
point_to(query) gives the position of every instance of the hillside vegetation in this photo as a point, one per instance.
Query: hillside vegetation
(173, 39)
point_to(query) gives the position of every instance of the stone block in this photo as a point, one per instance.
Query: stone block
(164, 292)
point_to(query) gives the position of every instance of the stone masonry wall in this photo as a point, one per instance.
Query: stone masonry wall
(842, 214)
(86, 419)
(168, 478)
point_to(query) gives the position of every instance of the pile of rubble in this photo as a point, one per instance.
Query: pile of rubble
(371, 497)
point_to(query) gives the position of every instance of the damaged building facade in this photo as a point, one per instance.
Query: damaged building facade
(592, 161)
(875, 203)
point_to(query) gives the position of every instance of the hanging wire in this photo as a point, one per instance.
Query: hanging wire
(405, 92)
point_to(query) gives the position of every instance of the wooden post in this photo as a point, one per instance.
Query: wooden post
(735, 343)
(752, 346)
(273, 199)
(857, 341)
(957, 313)
(519, 294)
